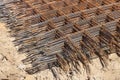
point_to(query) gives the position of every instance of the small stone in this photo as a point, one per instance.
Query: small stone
(21, 66)
(30, 77)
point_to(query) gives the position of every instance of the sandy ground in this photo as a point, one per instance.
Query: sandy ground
(12, 68)
(10, 61)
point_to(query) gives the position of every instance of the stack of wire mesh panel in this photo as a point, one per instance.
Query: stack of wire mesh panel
(63, 32)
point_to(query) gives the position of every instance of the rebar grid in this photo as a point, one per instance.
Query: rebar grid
(59, 32)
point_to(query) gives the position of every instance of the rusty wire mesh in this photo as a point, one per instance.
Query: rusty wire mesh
(59, 32)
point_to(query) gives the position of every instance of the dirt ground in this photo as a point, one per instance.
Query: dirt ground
(12, 68)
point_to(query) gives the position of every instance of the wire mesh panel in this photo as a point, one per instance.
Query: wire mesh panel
(59, 32)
